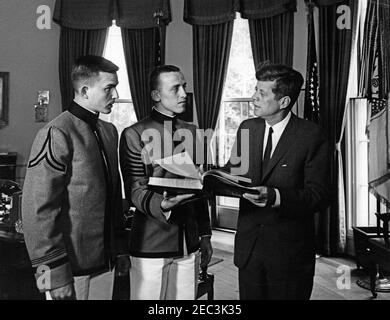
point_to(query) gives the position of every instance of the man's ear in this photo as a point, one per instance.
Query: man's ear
(155, 95)
(284, 102)
(84, 92)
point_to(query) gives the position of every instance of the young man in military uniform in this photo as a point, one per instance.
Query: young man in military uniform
(72, 196)
(166, 234)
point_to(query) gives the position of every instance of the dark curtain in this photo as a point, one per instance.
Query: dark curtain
(73, 44)
(212, 31)
(142, 56)
(370, 48)
(272, 39)
(83, 31)
(384, 30)
(206, 12)
(143, 25)
(85, 14)
(211, 45)
(271, 27)
(311, 106)
(334, 61)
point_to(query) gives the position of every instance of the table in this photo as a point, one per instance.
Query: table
(373, 254)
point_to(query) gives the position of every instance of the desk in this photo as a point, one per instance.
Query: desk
(371, 254)
(8, 166)
(379, 255)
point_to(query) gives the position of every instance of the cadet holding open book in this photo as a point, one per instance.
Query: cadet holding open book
(192, 181)
(167, 233)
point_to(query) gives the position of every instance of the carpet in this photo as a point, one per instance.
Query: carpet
(215, 260)
(122, 284)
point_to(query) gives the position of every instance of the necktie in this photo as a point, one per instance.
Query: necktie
(268, 149)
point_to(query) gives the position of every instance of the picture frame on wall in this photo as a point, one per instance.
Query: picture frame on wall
(4, 98)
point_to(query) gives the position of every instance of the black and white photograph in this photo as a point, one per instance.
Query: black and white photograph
(204, 153)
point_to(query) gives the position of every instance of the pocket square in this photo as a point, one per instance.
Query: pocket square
(284, 165)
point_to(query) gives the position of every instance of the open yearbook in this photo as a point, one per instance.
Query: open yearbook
(215, 181)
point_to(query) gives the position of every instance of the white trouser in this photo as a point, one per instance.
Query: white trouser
(93, 287)
(164, 278)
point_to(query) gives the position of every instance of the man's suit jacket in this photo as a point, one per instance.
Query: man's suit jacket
(299, 170)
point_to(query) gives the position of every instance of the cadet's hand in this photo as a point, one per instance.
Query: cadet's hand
(201, 170)
(206, 251)
(64, 293)
(169, 202)
(122, 265)
(266, 196)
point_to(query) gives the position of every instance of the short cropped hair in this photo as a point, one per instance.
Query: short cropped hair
(288, 81)
(89, 66)
(155, 74)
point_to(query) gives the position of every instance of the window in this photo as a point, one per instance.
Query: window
(122, 114)
(361, 204)
(239, 86)
(236, 103)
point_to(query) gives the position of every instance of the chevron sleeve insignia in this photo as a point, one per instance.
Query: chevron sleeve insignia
(46, 154)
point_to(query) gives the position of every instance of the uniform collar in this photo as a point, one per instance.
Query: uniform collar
(83, 114)
(162, 117)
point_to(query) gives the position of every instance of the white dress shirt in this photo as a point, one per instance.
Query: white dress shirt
(278, 129)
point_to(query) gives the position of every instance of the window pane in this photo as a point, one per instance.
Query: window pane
(122, 114)
(240, 79)
(239, 87)
(113, 51)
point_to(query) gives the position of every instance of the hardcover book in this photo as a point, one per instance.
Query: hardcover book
(191, 181)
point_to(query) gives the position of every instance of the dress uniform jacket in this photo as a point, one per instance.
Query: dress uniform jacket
(72, 216)
(152, 235)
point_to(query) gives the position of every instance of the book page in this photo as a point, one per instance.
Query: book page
(228, 176)
(176, 183)
(180, 164)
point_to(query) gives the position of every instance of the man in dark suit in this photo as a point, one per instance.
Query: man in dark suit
(288, 160)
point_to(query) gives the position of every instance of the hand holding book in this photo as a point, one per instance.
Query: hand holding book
(169, 202)
(193, 181)
(266, 196)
